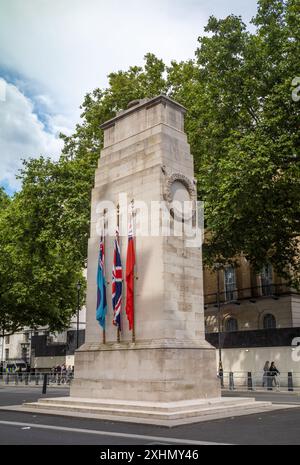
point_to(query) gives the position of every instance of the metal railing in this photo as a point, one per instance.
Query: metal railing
(258, 381)
(36, 379)
(248, 293)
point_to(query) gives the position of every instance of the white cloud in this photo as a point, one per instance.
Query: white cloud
(68, 47)
(71, 45)
(22, 135)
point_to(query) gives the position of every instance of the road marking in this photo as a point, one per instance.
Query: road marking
(110, 433)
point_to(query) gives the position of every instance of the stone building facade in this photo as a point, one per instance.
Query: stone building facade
(248, 301)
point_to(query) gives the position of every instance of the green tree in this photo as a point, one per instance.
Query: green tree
(39, 269)
(249, 153)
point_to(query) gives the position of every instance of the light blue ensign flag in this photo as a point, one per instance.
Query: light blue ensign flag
(101, 309)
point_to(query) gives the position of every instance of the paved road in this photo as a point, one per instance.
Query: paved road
(277, 427)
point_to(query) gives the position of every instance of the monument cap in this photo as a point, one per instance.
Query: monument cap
(138, 104)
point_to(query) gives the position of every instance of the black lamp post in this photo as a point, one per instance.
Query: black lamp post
(78, 309)
(218, 267)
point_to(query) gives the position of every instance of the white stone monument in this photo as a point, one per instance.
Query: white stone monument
(168, 375)
(145, 154)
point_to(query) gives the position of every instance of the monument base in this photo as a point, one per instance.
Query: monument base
(156, 371)
(154, 413)
(165, 383)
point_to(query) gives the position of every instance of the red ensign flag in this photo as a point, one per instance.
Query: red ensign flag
(130, 262)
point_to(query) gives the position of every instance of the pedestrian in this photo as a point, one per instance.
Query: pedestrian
(274, 372)
(69, 374)
(58, 372)
(64, 372)
(266, 373)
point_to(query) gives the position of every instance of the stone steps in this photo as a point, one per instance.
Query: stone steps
(144, 411)
(151, 406)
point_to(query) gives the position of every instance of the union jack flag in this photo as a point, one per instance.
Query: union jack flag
(117, 276)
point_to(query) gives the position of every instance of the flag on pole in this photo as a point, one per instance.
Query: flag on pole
(117, 276)
(101, 309)
(130, 262)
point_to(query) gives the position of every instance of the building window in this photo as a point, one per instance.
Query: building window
(231, 324)
(269, 321)
(26, 337)
(230, 283)
(6, 354)
(6, 339)
(266, 280)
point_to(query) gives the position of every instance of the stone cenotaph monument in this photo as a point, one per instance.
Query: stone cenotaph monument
(167, 372)
(145, 153)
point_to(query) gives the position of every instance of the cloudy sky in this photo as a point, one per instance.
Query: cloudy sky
(52, 52)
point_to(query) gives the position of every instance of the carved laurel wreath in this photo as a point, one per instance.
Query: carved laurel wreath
(190, 186)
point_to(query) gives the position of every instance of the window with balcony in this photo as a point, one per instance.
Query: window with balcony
(269, 321)
(6, 339)
(6, 354)
(231, 324)
(266, 280)
(230, 284)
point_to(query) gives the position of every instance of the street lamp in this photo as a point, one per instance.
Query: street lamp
(78, 309)
(218, 267)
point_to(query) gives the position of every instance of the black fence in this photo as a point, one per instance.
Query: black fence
(275, 337)
(42, 346)
(259, 381)
(32, 378)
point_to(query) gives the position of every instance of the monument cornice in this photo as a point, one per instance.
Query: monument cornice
(144, 104)
(145, 345)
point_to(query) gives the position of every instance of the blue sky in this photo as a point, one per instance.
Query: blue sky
(52, 52)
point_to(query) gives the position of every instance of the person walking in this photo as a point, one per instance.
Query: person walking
(266, 373)
(274, 372)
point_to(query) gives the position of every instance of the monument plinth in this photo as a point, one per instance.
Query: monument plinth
(168, 375)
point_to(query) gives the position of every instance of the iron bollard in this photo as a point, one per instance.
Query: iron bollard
(7, 378)
(231, 382)
(221, 376)
(16, 378)
(37, 379)
(26, 379)
(290, 381)
(45, 384)
(250, 384)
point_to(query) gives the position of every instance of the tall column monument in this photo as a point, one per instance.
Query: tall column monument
(146, 156)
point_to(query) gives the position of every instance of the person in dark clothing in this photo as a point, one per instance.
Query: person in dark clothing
(266, 373)
(274, 372)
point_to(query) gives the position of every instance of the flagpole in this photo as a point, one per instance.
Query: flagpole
(104, 219)
(118, 224)
(133, 236)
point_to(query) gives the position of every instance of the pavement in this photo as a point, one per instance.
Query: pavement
(276, 397)
(276, 427)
